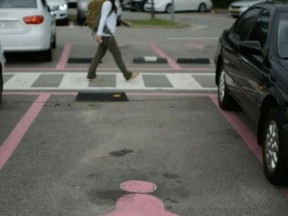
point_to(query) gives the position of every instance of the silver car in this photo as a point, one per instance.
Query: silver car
(26, 26)
(82, 8)
(59, 8)
(238, 7)
(2, 65)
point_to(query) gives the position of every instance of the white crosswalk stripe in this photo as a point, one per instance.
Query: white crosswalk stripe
(109, 80)
(183, 81)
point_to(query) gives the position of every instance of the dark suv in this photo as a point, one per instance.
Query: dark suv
(252, 71)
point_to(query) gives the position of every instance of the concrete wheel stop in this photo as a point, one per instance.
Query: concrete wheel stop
(102, 96)
(150, 60)
(80, 60)
(193, 61)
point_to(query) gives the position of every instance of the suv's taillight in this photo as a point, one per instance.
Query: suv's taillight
(33, 19)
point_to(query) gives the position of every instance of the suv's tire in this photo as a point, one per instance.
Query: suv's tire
(273, 148)
(1, 84)
(226, 102)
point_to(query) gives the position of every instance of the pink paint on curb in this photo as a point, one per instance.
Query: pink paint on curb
(249, 138)
(64, 57)
(15, 137)
(171, 62)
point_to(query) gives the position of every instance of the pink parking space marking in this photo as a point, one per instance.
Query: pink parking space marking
(17, 134)
(247, 136)
(139, 203)
(64, 57)
(161, 53)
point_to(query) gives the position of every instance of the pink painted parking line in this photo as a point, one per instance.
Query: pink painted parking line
(247, 136)
(17, 134)
(64, 57)
(161, 53)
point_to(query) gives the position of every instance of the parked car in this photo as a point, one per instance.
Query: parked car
(134, 5)
(179, 5)
(236, 8)
(2, 65)
(252, 71)
(59, 8)
(82, 9)
(27, 26)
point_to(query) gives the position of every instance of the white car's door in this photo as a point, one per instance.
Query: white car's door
(192, 4)
(180, 5)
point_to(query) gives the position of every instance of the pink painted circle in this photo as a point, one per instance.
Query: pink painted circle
(137, 186)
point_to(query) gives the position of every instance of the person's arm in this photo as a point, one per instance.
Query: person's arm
(105, 10)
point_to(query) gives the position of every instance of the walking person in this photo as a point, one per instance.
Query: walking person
(106, 41)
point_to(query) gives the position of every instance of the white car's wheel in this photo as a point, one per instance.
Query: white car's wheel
(202, 7)
(169, 8)
(54, 43)
(47, 54)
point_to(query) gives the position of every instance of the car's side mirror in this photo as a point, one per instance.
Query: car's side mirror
(251, 47)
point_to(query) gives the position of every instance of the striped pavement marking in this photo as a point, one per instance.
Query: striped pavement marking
(108, 81)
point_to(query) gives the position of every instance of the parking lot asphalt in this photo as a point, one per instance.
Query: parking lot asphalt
(70, 157)
(61, 156)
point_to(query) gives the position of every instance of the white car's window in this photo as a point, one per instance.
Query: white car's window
(18, 4)
(282, 35)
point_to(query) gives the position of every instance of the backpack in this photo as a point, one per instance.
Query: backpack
(93, 14)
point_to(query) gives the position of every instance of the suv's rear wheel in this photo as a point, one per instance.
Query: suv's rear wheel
(273, 144)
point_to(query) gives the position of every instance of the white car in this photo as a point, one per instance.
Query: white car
(27, 26)
(236, 8)
(59, 9)
(2, 65)
(179, 5)
(82, 9)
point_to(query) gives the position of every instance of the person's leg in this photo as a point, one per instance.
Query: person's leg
(113, 48)
(101, 50)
